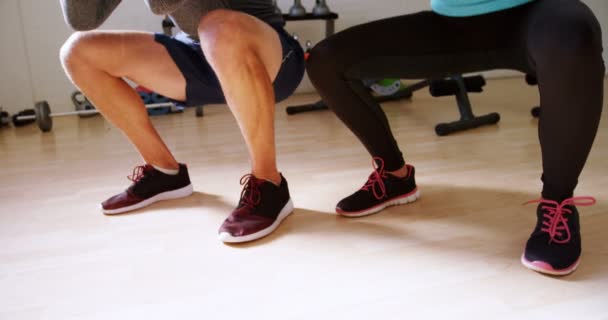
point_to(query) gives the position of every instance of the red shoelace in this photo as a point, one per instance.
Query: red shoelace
(250, 196)
(555, 223)
(376, 179)
(138, 173)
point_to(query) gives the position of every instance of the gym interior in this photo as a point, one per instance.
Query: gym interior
(455, 252)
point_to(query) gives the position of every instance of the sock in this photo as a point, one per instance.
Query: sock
(170, 172)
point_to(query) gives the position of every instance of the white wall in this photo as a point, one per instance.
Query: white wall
(44, 31)
(15, 88)
(37, 43)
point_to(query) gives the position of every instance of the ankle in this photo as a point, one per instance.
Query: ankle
(166, 171)
(274, 177)
(165, 164)
(400, 173)
(167, 167)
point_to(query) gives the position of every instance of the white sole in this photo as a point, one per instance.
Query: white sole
(549, 271)
(407, 198)
(285, 212)
(173, 194)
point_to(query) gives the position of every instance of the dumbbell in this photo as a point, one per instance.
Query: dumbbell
(44, 117)
(297, 10)
(277, 10)
(4, 118)
(21, 123)
(81, 103)
(320, 8)
(168, 26)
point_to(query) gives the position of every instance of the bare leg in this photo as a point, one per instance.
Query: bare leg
(246, 55)
(97, 62)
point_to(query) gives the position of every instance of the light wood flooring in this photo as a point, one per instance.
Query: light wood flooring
(453, 254)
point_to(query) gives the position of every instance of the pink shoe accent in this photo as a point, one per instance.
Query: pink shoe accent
(402, 199)
(555, 223)
(376, 178)
(545, 268)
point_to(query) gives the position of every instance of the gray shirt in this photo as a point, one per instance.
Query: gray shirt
(90, 14)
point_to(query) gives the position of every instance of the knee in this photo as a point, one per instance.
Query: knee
(323, 59)
(570, 36)
(74, 50)
(223, 34)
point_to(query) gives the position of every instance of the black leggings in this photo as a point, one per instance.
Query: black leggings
(559, 41)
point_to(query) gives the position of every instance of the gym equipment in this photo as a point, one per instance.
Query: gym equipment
(297, 10)
(460, 87)
(277, 10)
(81, 103)
(535, 112)
(384, 87)
(455, 85)
(151, 97)
(168, 26)
(321, 8)
(531, 80)
(406, 93)
(21, 123)
(329, 19)
(44, 117)
(307, 49)
(440, 88)
(4, 118)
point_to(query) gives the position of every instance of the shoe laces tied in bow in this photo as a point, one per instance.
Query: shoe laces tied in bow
(375, 182)
(555, 222)
(250, 196)
(139, 172)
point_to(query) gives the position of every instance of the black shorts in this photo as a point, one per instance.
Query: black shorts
(202, 85)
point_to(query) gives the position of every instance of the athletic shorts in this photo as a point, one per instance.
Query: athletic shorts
(202, 85)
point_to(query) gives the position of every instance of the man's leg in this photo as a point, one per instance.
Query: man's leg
(246, 55)
(97, 62)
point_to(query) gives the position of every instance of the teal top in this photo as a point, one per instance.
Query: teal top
(467, 8)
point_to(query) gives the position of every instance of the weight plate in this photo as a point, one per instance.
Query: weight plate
(4, 118)
(43, 116)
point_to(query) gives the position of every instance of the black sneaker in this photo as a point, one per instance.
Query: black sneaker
(262, 207)
(555, 244)
(149, 186)
(381, 190)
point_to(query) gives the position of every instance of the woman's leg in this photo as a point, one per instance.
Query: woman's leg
(565, 48)
(422, 45)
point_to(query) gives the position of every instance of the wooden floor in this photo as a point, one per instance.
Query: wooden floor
(453, 254)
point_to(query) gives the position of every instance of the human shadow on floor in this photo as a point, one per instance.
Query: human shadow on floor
(195, 200)
(482, 223)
